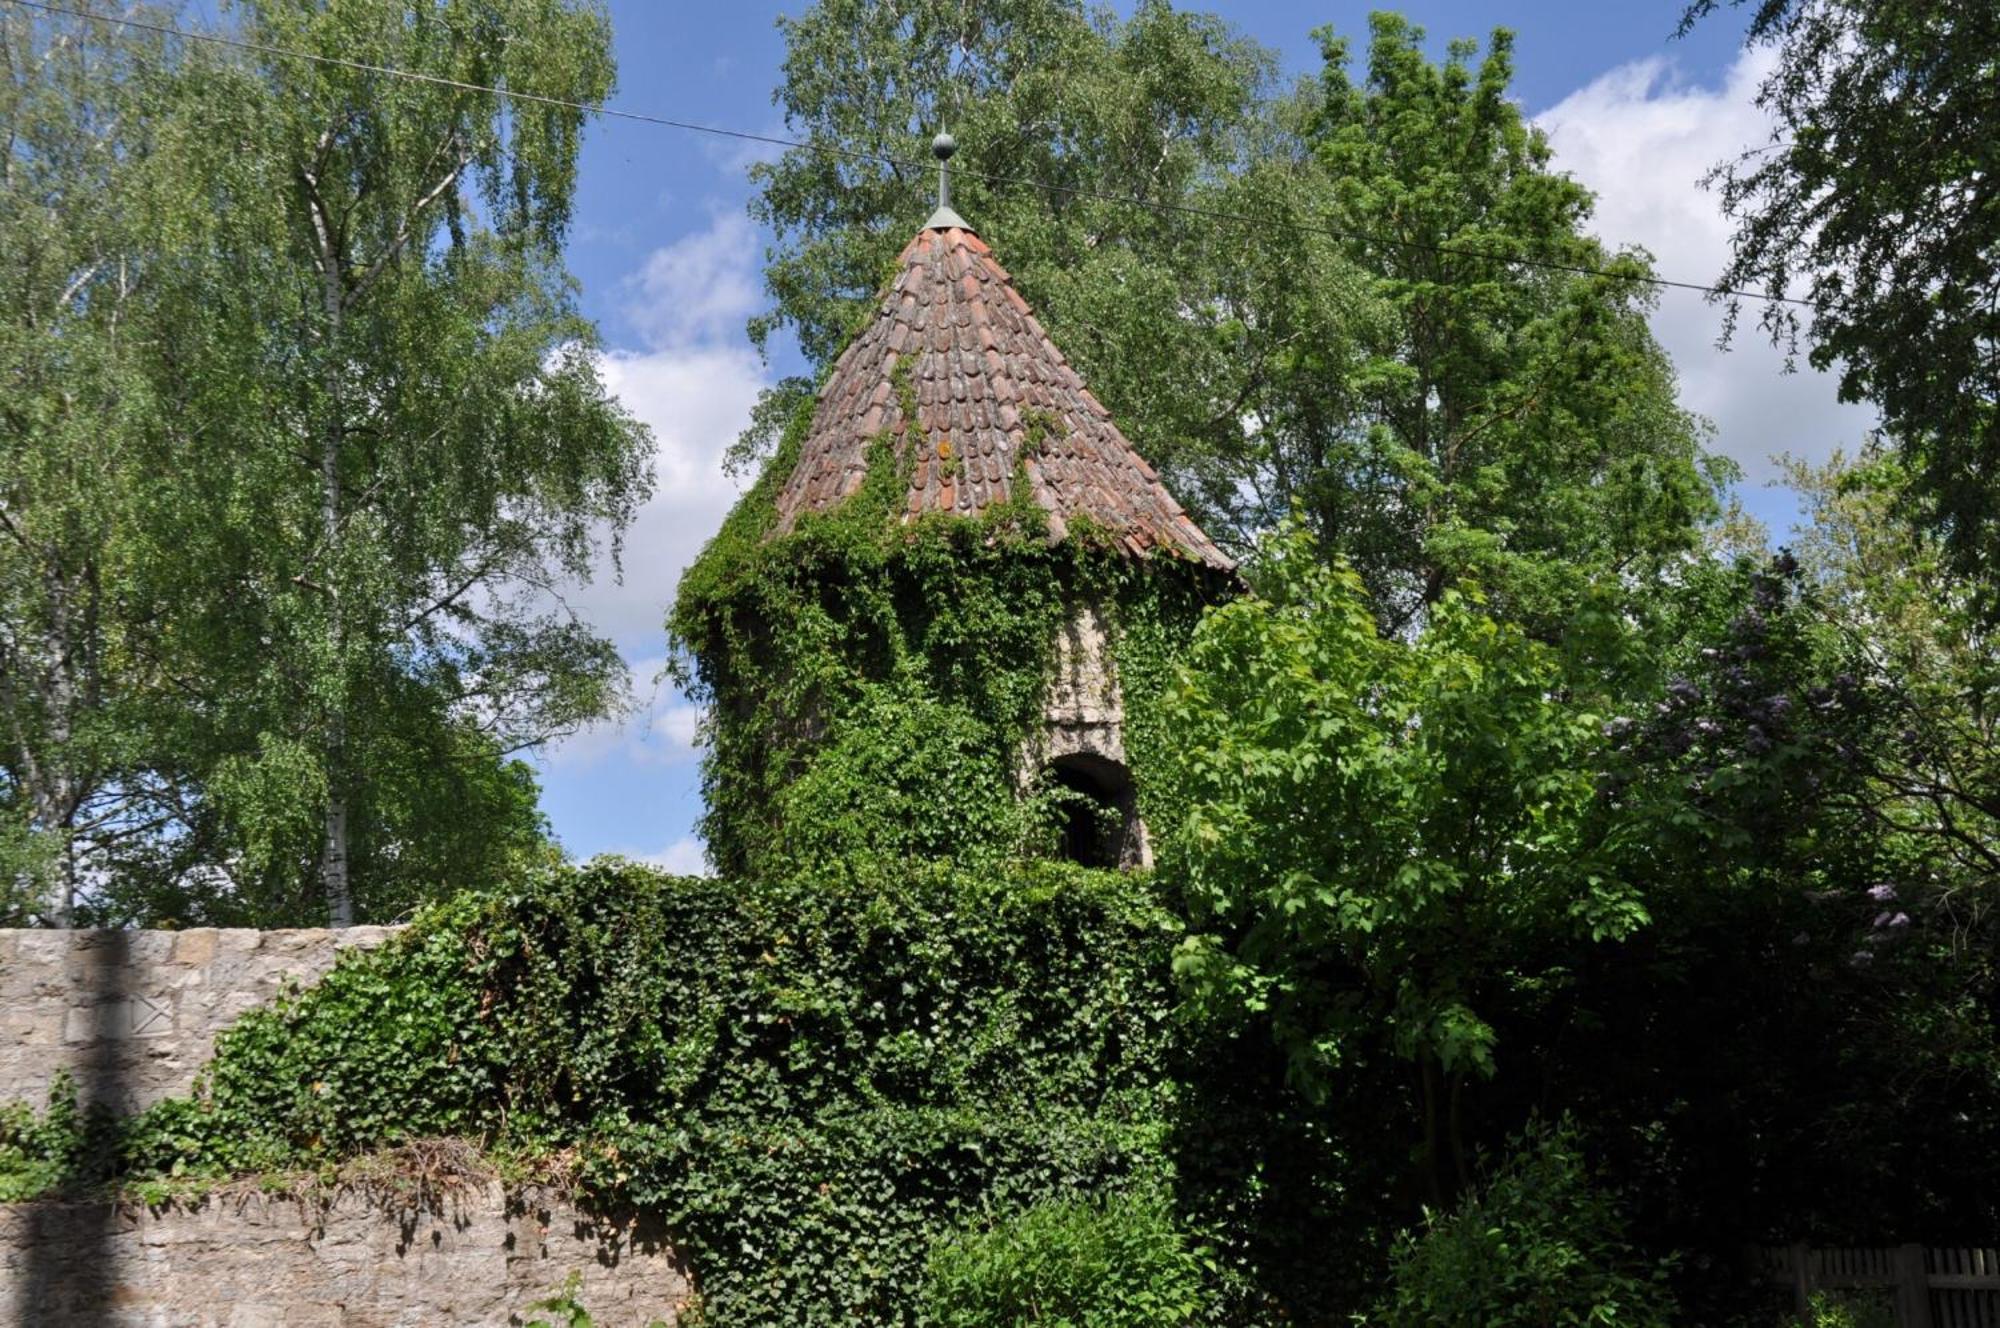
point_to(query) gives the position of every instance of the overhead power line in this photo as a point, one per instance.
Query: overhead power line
(902, 163)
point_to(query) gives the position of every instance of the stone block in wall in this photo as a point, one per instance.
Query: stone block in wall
(473, 1258)
(133, 1015)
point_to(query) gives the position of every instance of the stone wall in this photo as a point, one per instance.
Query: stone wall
(132, 1015)
(252, 1260)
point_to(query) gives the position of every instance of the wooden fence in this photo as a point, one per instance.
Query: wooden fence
(1930, 1288)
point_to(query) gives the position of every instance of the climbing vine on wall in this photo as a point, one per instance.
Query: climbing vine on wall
(811, 1080)
(871, 681)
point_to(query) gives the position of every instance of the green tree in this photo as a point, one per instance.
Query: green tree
(1876, 196)
(437, 441)
(1538, 1244)
(75, 407)
(1435, 416)
(374, 441)
(1797, 842)
(1386, 843)
(1494, 419)
(1060, 113)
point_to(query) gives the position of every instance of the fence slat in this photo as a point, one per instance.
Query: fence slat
(1913, 1288)
(1955, 1286)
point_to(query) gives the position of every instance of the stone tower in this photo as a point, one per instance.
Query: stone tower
(942, 622)
(996, 405)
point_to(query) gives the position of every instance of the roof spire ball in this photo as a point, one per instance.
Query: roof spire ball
(944, 218)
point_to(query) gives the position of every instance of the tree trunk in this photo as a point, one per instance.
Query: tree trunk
(53, 782)
(55, 807)
(1461, 1167)
(333, 875)
(333, 857)
(1433, 1176)
(333, 864)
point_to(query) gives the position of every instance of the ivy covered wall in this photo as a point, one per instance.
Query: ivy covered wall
(873, 682)
(808, 1081)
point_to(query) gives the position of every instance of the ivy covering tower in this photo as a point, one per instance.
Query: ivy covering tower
(938, 623)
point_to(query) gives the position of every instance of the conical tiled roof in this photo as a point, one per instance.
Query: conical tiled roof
(990, 390)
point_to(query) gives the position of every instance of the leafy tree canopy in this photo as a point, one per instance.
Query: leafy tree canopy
(1875, 200)
(352, 436)
(1364, 346)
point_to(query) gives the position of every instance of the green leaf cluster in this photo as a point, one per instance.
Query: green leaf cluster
(1379, 836)
(1118, 1262)
(1539, 1244)
(1873, 205)
(808, 1078)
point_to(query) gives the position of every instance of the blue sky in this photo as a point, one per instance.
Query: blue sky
(668, 261)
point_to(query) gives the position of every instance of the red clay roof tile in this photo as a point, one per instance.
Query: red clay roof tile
(979, 352)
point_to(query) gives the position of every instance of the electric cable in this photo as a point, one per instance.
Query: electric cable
(902, 163)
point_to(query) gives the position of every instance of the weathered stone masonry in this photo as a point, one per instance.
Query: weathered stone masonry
(258, 1261)
(132, 1017)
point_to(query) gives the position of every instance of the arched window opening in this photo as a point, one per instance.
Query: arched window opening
(1099, 813)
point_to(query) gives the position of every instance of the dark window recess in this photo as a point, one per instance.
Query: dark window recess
(1100, 819)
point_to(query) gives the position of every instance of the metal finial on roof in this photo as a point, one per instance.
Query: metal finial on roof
(944, 218)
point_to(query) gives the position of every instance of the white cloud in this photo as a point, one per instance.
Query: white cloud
(698, 290)
(684, 857)
(661, 729)
(693, 386)
(676, 726)
(696, 401)
(1643, 140)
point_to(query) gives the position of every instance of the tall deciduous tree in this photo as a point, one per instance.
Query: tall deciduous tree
(1386, 844)
(1878, 199)
(1506, 416)
(414, 434)
(376, 439)
(1276, 291)
(75, 116)
(1061, 115)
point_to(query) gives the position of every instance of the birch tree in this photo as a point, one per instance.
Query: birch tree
(401, 394)
(73, 406)
(375, 444)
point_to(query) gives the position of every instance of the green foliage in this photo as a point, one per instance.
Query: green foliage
(30, 865)
(271, 595)
(1537, 1245)
(1854, 1309)
(1382, 839)
(1121, 1262)
(1437, 418)
(39, 1152)
(569, 1309)
(1792, 792)
(871, 685)
(564, 1302)
(1872, 196)
(809, 1079)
